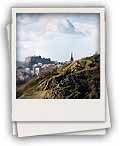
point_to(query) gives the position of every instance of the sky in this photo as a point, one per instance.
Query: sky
(55, 36)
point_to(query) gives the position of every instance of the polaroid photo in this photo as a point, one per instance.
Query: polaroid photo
(58, 64)
(21, 125)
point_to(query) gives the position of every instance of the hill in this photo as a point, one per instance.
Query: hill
(79, 79)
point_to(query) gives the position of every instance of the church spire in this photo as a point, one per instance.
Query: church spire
(71, 59)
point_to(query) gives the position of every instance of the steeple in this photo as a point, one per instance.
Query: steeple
(71, 59)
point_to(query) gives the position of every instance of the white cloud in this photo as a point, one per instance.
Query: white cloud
(30, 28)
(86, 29)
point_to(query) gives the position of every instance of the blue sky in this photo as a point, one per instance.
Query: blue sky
(57, 35)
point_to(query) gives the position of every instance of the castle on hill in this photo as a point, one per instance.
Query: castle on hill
(37, 59)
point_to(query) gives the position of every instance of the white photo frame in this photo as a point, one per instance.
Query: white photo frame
(14, 128)
(59, 109)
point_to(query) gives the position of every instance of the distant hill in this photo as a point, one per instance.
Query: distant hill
(76, 80)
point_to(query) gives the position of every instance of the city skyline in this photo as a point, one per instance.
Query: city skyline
(71, 57)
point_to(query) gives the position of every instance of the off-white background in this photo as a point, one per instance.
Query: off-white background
(113, 77)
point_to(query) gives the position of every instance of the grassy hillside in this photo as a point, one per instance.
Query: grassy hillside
(77, 80)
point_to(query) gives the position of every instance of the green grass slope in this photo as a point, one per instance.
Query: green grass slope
(77, 80)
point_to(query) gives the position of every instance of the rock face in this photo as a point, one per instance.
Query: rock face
(76, 80)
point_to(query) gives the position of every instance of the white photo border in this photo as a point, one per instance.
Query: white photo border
(59, 109)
